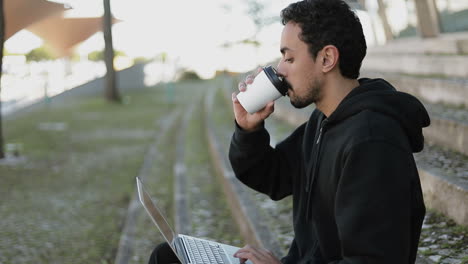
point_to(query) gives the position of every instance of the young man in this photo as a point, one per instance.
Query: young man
(350, 169)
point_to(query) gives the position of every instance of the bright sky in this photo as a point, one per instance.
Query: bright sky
(190, 32)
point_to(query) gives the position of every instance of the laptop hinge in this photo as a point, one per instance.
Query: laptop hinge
(181, 250)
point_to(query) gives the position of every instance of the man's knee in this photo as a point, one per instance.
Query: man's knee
(163, 254)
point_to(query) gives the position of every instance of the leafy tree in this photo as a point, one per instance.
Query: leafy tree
(189, 75)
(99, 55)
(256, 11)
(75, 57)
(39, 54)
(6, 52)
(141, 60)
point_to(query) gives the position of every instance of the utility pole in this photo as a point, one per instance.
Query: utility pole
(111, 92)
(2, 39)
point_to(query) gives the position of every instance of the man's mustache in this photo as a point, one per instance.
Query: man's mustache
(287, 84)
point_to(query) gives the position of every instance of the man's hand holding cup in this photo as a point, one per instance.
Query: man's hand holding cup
(255, 100)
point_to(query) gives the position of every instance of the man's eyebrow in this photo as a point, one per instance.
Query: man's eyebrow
(284, 49)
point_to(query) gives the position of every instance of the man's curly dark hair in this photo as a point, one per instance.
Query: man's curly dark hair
(330, 22)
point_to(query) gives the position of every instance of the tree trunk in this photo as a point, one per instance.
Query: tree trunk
(428, 18)
(112, 93)
(383, 17)
(2, 38)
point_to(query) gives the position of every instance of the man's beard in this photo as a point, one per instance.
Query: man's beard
(314, 94)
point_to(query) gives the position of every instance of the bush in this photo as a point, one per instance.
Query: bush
(98, 55)
(39, 54)
(189, 75)
(141, 60)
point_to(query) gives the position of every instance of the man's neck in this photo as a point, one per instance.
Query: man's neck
(335, 90)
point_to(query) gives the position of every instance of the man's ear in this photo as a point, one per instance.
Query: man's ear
(330, 56)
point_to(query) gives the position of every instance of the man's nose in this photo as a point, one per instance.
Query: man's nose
(280, 69)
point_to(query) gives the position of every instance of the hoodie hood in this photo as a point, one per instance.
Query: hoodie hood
(380, 96)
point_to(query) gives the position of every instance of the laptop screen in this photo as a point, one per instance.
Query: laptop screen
(156, 215)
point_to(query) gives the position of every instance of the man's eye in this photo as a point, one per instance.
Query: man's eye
(288, 60)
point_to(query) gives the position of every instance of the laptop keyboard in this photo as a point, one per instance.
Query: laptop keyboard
(203, 252)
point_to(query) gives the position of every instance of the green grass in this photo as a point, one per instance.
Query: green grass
(464, 260)
(205, 189)
(67, 201)
(160, 184)
(442, 225)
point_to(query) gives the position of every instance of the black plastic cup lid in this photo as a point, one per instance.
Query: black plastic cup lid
(276, 80)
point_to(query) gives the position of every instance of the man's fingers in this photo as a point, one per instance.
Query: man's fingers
(242, 86)
(270, 107)
(234, 98)
(267, 110)
(244, 249)
(248, 255)
(238, 108)
(256, 255)
(249, 79)
(249, 252)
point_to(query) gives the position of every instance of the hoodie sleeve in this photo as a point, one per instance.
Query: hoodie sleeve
(292, 256)
(263, 168)
(373, 203)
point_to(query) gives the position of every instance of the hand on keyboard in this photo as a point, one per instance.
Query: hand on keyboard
(256, 255)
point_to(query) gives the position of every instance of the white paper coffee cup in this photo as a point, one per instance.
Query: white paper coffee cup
(266, 87)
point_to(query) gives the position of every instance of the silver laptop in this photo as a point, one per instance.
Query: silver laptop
(188, 249)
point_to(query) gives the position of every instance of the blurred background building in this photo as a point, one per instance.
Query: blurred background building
(55, 46)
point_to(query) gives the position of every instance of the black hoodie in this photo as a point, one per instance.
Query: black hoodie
(356, 192)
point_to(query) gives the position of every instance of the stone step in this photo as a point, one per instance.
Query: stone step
(455, 204)
(433, 90)
(449, 43)
(442, 194)
(418, 64)
(437, 231)
(449, 125)
(444, 178)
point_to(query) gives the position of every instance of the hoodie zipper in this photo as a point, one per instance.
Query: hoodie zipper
(317, 147)
(311, 179)
(320, 135)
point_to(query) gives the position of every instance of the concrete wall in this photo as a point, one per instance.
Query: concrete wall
(128, 79)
